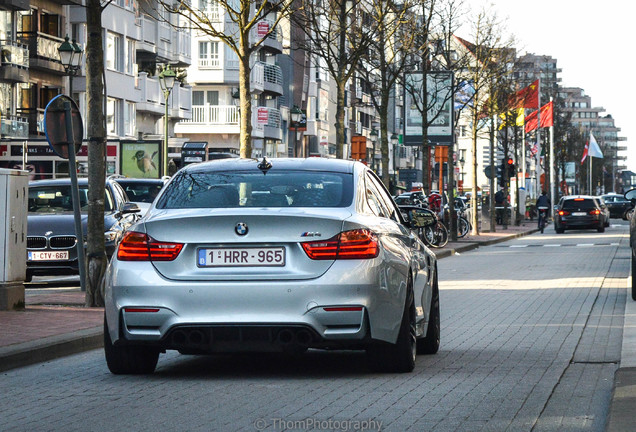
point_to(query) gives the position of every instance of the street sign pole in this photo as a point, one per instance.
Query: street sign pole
(72, 170)
(64, 135)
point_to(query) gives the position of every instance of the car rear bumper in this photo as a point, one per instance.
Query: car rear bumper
(142, 307)
(580, 223)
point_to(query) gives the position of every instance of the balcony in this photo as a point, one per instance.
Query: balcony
(34, 118)
(14, 62)
(266, 78)
(15, 5)
(266, 123)
(14, 127)
(273, 43)
(151, 98)
(211, 119)
(42, 50)
(160, 39)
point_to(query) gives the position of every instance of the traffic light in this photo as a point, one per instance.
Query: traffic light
(512, 172)
(501, 169)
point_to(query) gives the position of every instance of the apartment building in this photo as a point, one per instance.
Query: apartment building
(588, 118)
(214, 77)
(138, 38)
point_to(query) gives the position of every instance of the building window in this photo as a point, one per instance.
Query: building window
(208, 54)
(129, 119)
(112, 116)
(210, 8)
(114, 52)
(130, 57)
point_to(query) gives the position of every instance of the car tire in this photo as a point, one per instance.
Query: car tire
(559, 230)
(28, 277)
(128, 360)
(601, 228)
(633, 277)
(429, 344)
(400, 356)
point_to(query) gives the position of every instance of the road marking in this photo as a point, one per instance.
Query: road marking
(559, 245)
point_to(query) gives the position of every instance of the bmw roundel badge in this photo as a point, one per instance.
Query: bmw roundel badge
(241, 228)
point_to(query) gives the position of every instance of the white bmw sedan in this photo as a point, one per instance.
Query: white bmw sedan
(281, 255)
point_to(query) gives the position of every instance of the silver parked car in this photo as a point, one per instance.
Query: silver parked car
(275, 255)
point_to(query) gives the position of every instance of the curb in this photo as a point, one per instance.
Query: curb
(37, 351)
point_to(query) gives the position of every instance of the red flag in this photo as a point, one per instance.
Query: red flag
(531, 122)
(547, 115)
(527, 97)
(587, 146)
(547, 118)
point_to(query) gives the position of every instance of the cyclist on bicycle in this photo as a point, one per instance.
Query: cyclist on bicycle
(543, 203)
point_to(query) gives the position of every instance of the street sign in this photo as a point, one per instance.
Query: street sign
(63, 129)
(55, 125)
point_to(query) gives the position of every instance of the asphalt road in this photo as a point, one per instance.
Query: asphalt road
(531, 338)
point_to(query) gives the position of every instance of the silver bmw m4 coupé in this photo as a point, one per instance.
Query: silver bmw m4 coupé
(281, 255)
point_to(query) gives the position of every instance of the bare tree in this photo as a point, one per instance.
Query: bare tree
(242, 38)
(488, 48)
(386, 61)
(337, 32)
(96, 131)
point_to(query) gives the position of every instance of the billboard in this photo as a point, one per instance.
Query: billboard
(140, 159)
(438, 102)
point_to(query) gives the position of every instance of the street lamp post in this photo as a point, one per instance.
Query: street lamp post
(71, 58)
(295, 115)
(374, 140)
(394, 142)
(461, 164)
(166, 81)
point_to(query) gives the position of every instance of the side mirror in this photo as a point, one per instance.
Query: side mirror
(630, 195)
(130, 207)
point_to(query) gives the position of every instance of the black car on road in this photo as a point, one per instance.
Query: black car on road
(51, 236)
(617, 204)
(579, 212)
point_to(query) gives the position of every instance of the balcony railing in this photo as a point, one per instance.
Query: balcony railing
(273, 74)
(14, 127)
(215, 115)
(14, 53)
(41, 44)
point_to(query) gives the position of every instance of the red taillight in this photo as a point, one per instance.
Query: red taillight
(141, 310)
(563, 213)
(595, 212)
(355, 244)
(136, 246)
(343, 309)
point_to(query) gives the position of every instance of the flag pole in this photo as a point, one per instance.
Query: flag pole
(552, 164)
(539, 134)
(523, 155)
(588, 155)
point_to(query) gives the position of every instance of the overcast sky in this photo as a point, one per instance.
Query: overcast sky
(594, 43)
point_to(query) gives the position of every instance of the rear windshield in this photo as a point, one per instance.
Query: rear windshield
(57, 199)
(586, 204)
(255, 189)
(141, 192)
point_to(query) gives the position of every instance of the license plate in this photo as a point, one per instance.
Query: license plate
(239, 257)
(579, 214)
(47, 256)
